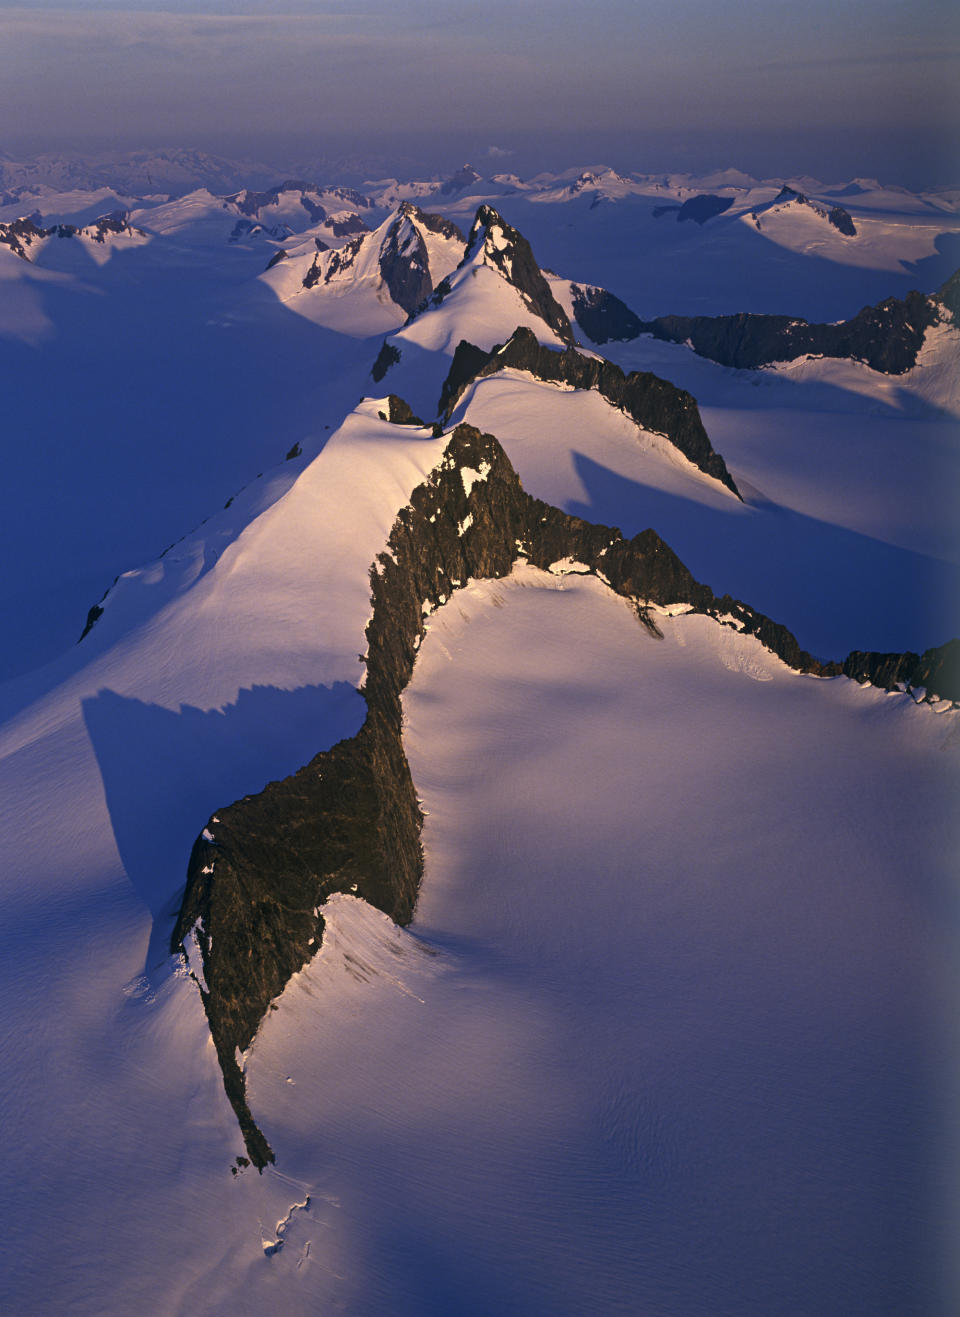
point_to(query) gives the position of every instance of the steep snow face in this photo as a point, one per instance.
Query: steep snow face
(282, 601)
(553, 434)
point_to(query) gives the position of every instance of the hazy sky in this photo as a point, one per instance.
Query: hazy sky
(868, 86)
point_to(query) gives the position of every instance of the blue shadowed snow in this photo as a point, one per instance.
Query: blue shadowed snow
(164, 773)
(835, 589)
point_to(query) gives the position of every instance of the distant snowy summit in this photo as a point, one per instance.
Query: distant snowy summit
(25, 236)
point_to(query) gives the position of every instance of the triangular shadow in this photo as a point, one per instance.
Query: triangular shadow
(164, 773)
(836, 589)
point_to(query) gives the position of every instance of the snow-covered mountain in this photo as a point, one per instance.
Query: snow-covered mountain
(27, 240)
(373, 281)
(499, 857)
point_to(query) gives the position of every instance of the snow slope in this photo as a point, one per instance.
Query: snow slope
(851, 480)
(752, 1128)
(796, 263)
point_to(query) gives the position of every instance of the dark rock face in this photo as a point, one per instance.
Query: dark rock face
(468, 363)
(703, 208)
(603, 317)
(313, 209)
(404, 259)
(886, 337)
(841, 219)
(508, 250)
(399, 412)
(349, 820)
(405, 265)
(341, 260)
(342, 228)
(435, 223)
(93, 616)
(652, 402)
(350, 197)
(936, 670)
(387, 356)
(276, 258)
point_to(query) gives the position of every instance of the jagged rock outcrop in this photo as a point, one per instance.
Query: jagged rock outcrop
(842, 219)
(603, 317)
(439, 224)
(651, 402)
(387, 356)
(936, 670)
(342, 226)
(338, 262)
(349, 820)
(399, 412)
(503, 247)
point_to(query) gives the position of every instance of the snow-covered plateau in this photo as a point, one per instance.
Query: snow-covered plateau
(480, 857)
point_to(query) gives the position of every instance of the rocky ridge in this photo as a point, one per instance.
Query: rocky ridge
(19, 235)
(651, 402)
(886, 337)
(494, 242)
(349, 821)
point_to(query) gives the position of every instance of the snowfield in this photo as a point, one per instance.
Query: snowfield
(657, 1029)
